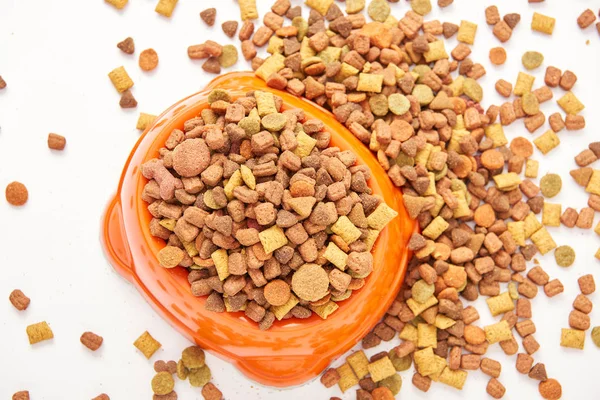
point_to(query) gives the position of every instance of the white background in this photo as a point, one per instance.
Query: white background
(55, 56)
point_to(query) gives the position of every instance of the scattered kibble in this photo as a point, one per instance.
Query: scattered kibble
(16, 194)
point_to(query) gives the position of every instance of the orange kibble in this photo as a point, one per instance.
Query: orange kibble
(492, 159)
(498, 55)
(520, 146)
(550, 389)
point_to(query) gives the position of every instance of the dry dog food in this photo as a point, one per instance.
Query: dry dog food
(22, 395)
(209, 16)
(19, 300)
(2, 83)
(147, 344)
(16, 194)
(127, 45)
(91, 340)
(39, 332)
(148, 60)
(56, 142)
(244, 196)
(127, 100)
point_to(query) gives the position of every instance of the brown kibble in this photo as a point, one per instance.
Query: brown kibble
(127, 46)
(550, 389)
(127, 101)
(19, 300)
(538, 372)
(277, 292)
(524, 363)
(579, 320)
(583, 304)
(553, 288)
(16, 194)
(330, 377)
(492, 16)
(211, 392)
(229, 28)
(495, 388)
(587, 284)
(567, 80)
(502, 31)
(504, 88)
(91, 340)
(22, 395)
(208, 16)
(148, 60)
(586, 18)
(491, 367)
(497, 55)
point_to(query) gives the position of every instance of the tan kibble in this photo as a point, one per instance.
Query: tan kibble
(310, 282)
(587, 284)
(495, 389)
(163, 383)
(193, 357)
(277, 292)
(170, 256)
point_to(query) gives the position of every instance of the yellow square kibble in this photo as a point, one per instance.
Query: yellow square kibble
(271, 65)
(190, 248)
(573, 338)
(305, 145)
(524, 84)
(498, 332)
(39, 332)
(281, 311)
(417, 308)
(507, 181)
(321, 6)
(547, 141)
(409, 333)
(147, 344)
(542, 23)
(543, 241)
(437, 51)
(344, 228)
(382, 215)
(443, 322)
(466, 32)
(435, 228)
(325, 310)
(495, 132)
(423, 154)
(371, 238)
(346, 71)
(347, 377)
(532, 225)
(424, 361)
(166, 7)
(220, 258)
(500, 304)
(593, 185)
(144, 121)
(439, 365)
(330, 54)
(462, 208)
(120, 79)
(381, 369)
(531, 168)
(359, 362)
(272, 239)
(119, 4)
(454, 378)
(248, 177)
(517, 231)
(265, 103)
(426, 335)
(370, 83)
(551, 214)
(336, 256)
(248, 9)
(275, 45)
(570, 104)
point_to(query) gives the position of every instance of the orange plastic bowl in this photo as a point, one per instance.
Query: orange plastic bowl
(292, 351)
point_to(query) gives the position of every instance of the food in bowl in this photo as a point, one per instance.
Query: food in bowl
(267, 218)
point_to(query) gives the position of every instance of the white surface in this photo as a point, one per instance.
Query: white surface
(55, 57)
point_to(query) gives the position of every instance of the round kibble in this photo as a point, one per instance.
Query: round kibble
(16, 194)
(532, 59)
(550, 389)
(163, 383)
(193, 357)
(277, 292)
(492, 159)
(550, 185)
(398, 104)
(401, 363)
(199, 377)
(274, 122)
(394, 383)
(498, 55)
(520, 146)
(564, 255)
(484, 215)
(191, 157)
(424, 94)
(182, 371)
(379, 105)
(170, 256)
(530, 104)
(229, 56)
(421, 7)
(148, 60)
(310, 282)
(596, 336)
